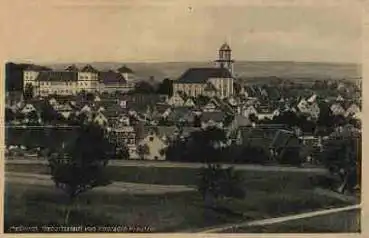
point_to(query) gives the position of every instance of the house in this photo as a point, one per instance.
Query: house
(337, 109)
(176, 100)
(181, 114)
(258, 135)
(211, 106)
(112, 81)
(85, 109)
(283, 141)
(65, 110)
(28, 108)
(189, 103)
(233, 101)
(167, 133)
(155, 147)
(124, 135)
(312, 99)
(340, 98)
(100, 119)
(352, 110)
(247, 111)
(128, 74)
(212, 119)
(237, 122)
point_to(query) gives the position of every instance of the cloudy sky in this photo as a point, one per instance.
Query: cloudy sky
(113, 30)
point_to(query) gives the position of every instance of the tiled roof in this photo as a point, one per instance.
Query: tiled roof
(201, 75)
(111, 77)
(88, 68)
(57, 76)
(125, 69)
(37, 68)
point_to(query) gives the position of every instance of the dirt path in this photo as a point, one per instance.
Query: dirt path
(115, 187)
(168, 164)
(277, 220)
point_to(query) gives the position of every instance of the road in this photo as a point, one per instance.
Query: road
(167, 164)
(115, 187)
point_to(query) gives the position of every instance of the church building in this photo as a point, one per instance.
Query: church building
(212, 81)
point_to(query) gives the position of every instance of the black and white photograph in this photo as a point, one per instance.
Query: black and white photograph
(182, 117)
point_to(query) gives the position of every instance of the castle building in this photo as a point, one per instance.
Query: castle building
(213, 81)
(72, 80)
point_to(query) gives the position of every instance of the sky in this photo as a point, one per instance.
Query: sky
(163, 31)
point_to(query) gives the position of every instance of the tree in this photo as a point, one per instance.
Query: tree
(143, 150)
(197, 121)
(122, 152)
(342, 156)
(28, 92)
(79, 165)
(9, 115)
(237, 88)
(144, 87)
(216, 183)
(253, 118)
(48, 113)
(33, 118)
(166, 87)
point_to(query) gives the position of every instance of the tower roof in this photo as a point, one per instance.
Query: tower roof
(88, 68)
(225, 47)
(125, 69)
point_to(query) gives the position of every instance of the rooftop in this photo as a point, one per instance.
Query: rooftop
(201, 75)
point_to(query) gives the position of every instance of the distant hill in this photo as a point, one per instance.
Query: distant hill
(243, 69)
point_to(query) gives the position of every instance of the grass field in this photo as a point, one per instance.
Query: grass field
(265, 180)
(38, 205)
(268, 194)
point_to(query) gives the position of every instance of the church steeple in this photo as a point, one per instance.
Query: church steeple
(225, 58)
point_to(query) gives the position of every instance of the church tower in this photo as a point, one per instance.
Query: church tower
(225, 58)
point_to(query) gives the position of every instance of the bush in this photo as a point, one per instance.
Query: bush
(218, 183)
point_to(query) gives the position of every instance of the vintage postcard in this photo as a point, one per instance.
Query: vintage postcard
(182, 117)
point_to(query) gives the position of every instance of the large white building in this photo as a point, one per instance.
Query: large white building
(72, 80)
(216, 81)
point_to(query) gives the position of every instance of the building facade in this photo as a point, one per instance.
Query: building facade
(72, 80)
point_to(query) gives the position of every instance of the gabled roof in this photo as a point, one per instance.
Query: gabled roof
(201, 75)
(179, 113)
(214, 116)
(57, 76)
(240, 120)
(284, 138)
(88, 68)
(167, 131)
(125, 69)
(111, 77)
